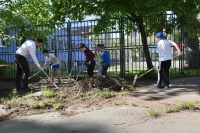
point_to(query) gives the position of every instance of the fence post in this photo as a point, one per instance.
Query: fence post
(56, 42)
(182, 57)
(69, 46)
(122, 50)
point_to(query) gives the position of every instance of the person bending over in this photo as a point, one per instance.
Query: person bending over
(53, 61)
(28, 48)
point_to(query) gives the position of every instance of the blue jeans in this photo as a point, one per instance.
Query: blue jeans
(99, 70)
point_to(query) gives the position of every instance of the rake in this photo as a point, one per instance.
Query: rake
(80, 71)
(36, 73)
(137, 77)
(51, 80)
(71, 70)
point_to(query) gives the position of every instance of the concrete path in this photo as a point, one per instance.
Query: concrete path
(108, 120)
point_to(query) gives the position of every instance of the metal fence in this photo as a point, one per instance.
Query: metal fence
(126, 50)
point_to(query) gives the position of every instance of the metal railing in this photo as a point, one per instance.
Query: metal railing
(126, 50)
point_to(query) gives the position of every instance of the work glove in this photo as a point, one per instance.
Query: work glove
(41, 68)
(87, 63)
(179, 54)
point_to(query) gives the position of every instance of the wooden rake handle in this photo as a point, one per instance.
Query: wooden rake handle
(146, 72)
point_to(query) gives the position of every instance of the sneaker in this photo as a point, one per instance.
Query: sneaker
(158, 86)
(166, 87)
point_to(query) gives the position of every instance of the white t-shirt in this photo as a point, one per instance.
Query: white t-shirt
(28, 48)
(51, 58)
(164, 50)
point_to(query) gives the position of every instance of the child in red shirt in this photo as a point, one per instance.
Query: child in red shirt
(89, 59)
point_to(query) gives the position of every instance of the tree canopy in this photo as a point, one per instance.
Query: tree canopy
(51, 12)
(147, 17)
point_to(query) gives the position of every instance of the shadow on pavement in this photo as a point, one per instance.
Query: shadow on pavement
(50, 126)
(8, 86)
(182, 86)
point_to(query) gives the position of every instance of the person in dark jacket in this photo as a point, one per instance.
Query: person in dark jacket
(89, 59)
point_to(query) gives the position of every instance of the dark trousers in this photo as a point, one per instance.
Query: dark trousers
(90, 68)
(22, 68)
(163, 72)
(104, 69)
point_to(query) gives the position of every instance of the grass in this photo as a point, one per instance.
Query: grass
(47, 92)
(106, 94)
(34, 105)
(29, 94)
(3, 100)
(190, 105)
(169, 110)
(57, 105)
(13, 95)
(153, 112)
(83, 95)
(179, 106)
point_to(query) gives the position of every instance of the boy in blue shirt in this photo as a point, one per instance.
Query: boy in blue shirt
(105, 59)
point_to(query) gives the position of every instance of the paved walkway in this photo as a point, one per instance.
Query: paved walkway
(107, 120)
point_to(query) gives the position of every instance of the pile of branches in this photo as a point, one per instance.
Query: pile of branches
(101, 83)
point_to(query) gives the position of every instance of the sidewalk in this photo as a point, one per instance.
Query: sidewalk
(107, 120)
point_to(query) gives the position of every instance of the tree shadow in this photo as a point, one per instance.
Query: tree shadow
(182, 86)
(25, 125)
(7, 88)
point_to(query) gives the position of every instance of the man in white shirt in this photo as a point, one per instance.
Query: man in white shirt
(53, 62)
(28, 48)
(164, 49)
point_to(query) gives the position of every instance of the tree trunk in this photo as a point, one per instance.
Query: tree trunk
(144, 42)
(139, 20)
(191, 51)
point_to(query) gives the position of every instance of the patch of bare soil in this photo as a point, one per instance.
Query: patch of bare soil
(70, 98)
